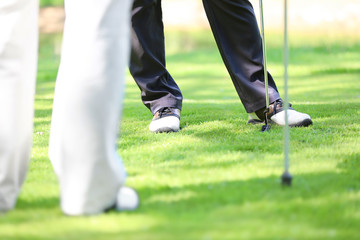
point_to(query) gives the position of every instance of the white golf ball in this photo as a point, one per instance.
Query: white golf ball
(127, 199)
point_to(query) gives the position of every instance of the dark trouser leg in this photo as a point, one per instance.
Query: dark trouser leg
(237, 35)
(147, 63)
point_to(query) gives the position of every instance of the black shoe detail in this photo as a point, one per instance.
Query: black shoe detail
(305, 123)
(166, 112)
(254, 121)
(274, 108)
(165, 130)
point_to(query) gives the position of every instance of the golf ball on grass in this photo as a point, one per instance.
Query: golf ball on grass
(127, 199)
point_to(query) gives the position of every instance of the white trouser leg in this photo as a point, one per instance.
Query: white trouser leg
(88, 102)
(18, 63)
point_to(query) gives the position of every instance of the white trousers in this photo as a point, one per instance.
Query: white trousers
(18, 62)
(87, 103)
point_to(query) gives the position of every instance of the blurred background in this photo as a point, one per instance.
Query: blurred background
(304, 15)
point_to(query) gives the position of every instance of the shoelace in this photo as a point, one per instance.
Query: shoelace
(164, 111)
(278, 105)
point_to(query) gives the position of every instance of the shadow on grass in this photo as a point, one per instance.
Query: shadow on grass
(38, 203)
(212, 208)
(351, 165)
(340, 70)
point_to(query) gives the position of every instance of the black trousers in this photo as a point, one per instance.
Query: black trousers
(237, 36)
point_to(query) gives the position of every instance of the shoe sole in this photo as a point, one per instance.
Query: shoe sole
(304, 123)
(164, 130)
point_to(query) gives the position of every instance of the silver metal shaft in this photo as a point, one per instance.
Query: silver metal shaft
(286, 99)
(264, 54)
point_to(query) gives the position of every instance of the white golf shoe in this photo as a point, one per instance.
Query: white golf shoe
(165, 120)
(277, 115)
(127, 199)
(295, 118)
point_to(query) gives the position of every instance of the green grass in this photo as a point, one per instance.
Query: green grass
(218, 178)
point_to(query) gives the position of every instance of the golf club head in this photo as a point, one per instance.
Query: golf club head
(286, 179)
(265, 128)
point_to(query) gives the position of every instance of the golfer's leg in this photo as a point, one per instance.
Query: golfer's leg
(18, 62)
(238, 38)
(147, 64)
(88, 102)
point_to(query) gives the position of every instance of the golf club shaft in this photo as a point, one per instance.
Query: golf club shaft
(286, 99)
(264, 54)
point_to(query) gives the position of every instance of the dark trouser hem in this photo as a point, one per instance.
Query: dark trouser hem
(261, 104)
(165, 102)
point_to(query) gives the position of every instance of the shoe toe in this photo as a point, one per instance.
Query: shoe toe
(165, 124)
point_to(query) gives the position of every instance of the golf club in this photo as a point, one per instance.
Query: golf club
(286, 177)
(265, 127)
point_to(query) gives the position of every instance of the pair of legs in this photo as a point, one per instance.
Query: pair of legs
(87, 103)
(236, 32)
(237, 36)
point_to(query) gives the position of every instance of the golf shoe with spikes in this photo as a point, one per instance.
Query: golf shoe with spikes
(276, 115)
